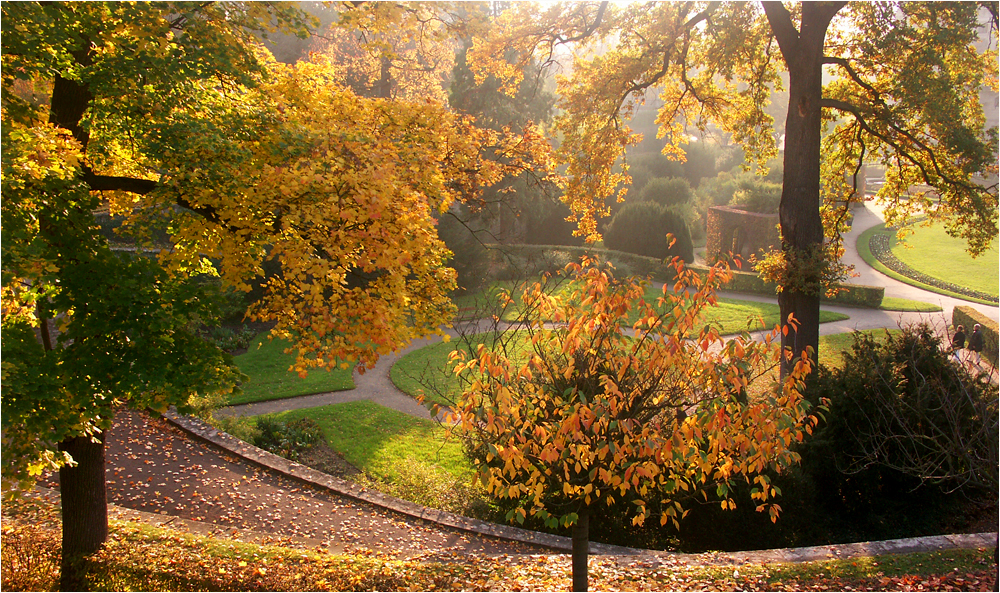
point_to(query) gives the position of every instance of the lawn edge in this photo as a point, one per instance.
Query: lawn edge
(869, 258)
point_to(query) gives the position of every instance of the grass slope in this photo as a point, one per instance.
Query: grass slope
(267, 366)
(386, 443)
(832, 347)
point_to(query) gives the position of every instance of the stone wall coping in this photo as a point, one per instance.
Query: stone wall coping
(203, 431)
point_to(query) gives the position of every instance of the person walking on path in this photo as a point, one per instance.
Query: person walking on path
(958, 343)
(976, 343)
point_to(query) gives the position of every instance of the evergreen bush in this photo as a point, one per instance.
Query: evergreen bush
(286, 439)
(641, 228)
(668, 191)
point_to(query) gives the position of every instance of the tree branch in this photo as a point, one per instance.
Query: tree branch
(852, 74)
(927, 150)
(113, 183)
(782, 27)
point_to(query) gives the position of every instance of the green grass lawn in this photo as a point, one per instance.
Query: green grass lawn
(386, 443)
(897, 304)
(734, 315)
(267, 366)
(932, 251)
(399, 455)
(864, 250)
(832, 347)
(427, 371)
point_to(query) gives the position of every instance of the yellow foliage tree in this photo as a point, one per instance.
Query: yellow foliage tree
(175, 112)
(897, 83)
(375, 57)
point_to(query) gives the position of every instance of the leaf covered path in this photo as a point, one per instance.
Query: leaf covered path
(153, 466)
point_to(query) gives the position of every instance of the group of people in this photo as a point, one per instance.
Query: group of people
(975, 346)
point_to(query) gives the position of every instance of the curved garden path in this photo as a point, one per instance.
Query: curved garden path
(160, 473)
(375, 385)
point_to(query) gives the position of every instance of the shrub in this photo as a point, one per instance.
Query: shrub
(905, 426)
(286, 439)
(641, 228)
(668, 191)
(30, 556)
(647, 166)
(868, 472)
(228, 339)
(757, 195)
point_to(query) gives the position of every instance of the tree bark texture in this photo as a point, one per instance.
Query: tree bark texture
(581, 549)
(84, 507)
(799, 210)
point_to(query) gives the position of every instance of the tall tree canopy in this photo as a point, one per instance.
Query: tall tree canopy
(374, 57)
(894, 82)
(174, 112)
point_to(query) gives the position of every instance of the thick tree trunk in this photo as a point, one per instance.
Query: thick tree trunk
(581, 548)
(84, 507)
(799, 211)
(801, 226)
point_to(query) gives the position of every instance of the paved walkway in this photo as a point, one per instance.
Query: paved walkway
(159, 473)
(376, 385)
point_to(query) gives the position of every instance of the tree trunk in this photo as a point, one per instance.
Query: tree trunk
(801, 225)
(84, 507)
(581, 548)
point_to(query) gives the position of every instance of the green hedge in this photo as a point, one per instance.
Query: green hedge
(969, 317)
(855, 295)
(512, 261)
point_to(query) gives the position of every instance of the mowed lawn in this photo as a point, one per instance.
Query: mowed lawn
(384, 442)
(427, 372)
(267, 366)
(932, 251)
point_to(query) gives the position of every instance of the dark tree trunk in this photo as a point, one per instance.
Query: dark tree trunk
(581, 548)
(84, 507)
(801, 225)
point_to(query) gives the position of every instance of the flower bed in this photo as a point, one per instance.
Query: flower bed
(879, 244)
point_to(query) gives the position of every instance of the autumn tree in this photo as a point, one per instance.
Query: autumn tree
(903, 90)
(594, 415)
(173, 111)
(518, 205)
(374, 57)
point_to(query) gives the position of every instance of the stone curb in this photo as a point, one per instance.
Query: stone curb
(302, 473)
(252, 454)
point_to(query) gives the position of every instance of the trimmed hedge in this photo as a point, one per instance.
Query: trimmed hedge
(855, 295)
(969, 317)
(512, 261)
(641, 228)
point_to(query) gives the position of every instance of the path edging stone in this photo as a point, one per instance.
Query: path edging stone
(302, 473)
(204, 431)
